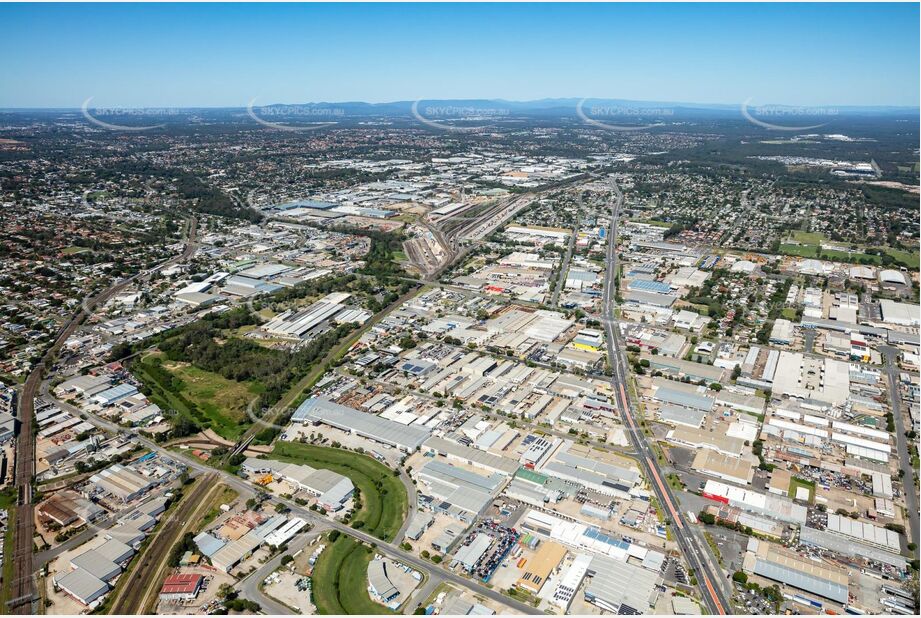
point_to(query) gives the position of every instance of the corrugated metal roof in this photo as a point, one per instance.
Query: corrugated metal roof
(688, 400)
(322, 410)
(620, 585)
(799, 579)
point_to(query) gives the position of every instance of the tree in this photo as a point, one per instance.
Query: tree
(226, 592)
(740, 577)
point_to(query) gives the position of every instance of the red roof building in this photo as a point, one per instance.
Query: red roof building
(181, 586)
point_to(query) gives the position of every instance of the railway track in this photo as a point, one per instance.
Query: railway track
(22, 588)
(135, 591)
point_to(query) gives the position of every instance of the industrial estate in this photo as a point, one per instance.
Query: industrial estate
(397, 362)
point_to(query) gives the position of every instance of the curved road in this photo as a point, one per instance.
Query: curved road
(391, 549)
(249, 585)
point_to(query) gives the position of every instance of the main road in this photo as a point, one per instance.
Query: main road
(890, 354)
(709, 576)
(570, 246)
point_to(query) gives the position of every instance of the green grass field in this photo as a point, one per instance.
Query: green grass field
(340, 575)
(809, 243)
(798, 482)
(340, 580)
(8, 561)
(798, 250)
(225, 496)
(218, 403)
(912, 259)
(223, 400)
(808, 238)
(654, 222)
(383, 496)
(74, 250)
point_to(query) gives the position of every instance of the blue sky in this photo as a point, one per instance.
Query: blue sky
(226, 55)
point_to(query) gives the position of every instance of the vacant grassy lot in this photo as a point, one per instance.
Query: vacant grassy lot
(654, 222)
(75, 250)
(913, 260)
(225, 496)
(8, 562)
(808, 238)
(383, 496)
(340, 580)
(206, 398)
(808, 245)
(798, 482)
(798, 250)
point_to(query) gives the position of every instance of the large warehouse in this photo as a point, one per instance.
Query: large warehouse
(806, 377)
(769, 561)
(621, 588)
(318, 410)
(471, 456)
(332, 489)
(301, 323)
(82, 586)
(467, 492)
(900, 314)
(121, 482)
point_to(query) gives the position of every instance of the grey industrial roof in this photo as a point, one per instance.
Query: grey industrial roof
(468, 491)
(837, 544)
(468, 555)
(338, 493)
(208, 544)
(799, 579)
(317, 409)
(119, 390)
(617, 583)
(377, 577)
(115, 550)
(420, 522)
(688, 400)
(599, 467)
(686, 416)
(647, 298)
(865, 532)
(96, 565)
(267, 527)
(585, 477)
(82, 584)
(126, 533)
(459, 476)
(84, 382)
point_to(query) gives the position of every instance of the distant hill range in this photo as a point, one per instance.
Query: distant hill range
(568, 107)
(559, 107)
